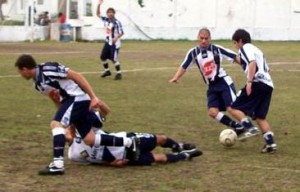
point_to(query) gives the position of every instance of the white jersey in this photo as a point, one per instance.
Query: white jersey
(208, 61)
(112, 28)
(249, 53)
(53, 76)
(80, 152)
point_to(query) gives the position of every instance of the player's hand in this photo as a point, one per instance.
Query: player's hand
(174, 80)
(54, 95)
(119, 162)
(95, 103)
(248, 88)
(100, 2)
(114, 40)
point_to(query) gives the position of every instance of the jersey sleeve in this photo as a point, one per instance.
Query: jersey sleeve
(188, 60)
(226, 53)
(103, 18)
(249, 52)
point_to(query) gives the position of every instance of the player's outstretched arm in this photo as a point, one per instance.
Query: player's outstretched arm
(178, 75)
(103, 107)
(84, 84)
(99, 8)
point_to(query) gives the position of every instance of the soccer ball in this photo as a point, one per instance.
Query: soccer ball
(228, 137)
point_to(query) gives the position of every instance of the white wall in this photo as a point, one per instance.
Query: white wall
(181, 19)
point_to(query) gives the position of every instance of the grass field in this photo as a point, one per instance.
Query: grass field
(144, 101)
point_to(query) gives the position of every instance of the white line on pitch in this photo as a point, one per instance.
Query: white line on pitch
(149, 69)
(277, 169)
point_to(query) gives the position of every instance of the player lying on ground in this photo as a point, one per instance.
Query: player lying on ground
(120, 156)
(73, 108)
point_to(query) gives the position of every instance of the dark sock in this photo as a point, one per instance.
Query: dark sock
(229, 122)
(170, 143)
(247, 123)
(172, 158)
(58, 145)
(269, 137)
(118, 67)
(105, 65)
(109, 140)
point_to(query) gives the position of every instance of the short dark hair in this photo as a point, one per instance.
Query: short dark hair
(26, 61)
(243, 35)
(111, 9)
(204, 29)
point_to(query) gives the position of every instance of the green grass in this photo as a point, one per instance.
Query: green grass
(144, 101)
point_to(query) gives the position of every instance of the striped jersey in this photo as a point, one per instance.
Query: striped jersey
(53, 76)
(80, 152)
(112, 28)
(208, 61)
(249, 53)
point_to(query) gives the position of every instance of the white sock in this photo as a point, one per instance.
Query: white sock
(219, 116)
(97, 140)
(127, 142)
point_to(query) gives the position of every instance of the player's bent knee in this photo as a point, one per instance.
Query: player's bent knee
(213, 113)
(55, 124)
(161, 139)
(89, 139)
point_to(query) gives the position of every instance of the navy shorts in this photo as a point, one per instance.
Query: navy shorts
(78, 114)
(256, 105)
(148, 143)
(220, 95)
(109, 52)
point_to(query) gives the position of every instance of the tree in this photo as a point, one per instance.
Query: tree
(1, 13)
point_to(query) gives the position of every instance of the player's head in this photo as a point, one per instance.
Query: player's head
(241, 36)
(110, 12)
(26, 64)
(204, 37)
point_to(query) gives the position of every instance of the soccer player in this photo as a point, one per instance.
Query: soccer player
(76, 99)
(114, 32)
(221, 91)
(255, 97)
(120, 156)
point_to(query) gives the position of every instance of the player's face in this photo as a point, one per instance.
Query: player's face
(204, 39)
(238, 44)
(25, 73)
(110, 14)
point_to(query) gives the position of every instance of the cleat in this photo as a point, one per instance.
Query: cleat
(135, 147)
(247, 134)
(51, 169)
(105, 74)
(190, 154)
(118, 76)
(269, 149)
(184, 147)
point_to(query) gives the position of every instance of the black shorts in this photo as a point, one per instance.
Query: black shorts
(220, 95)
(256, 105)
(109, 52)
(148, 143)
(78, 114)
